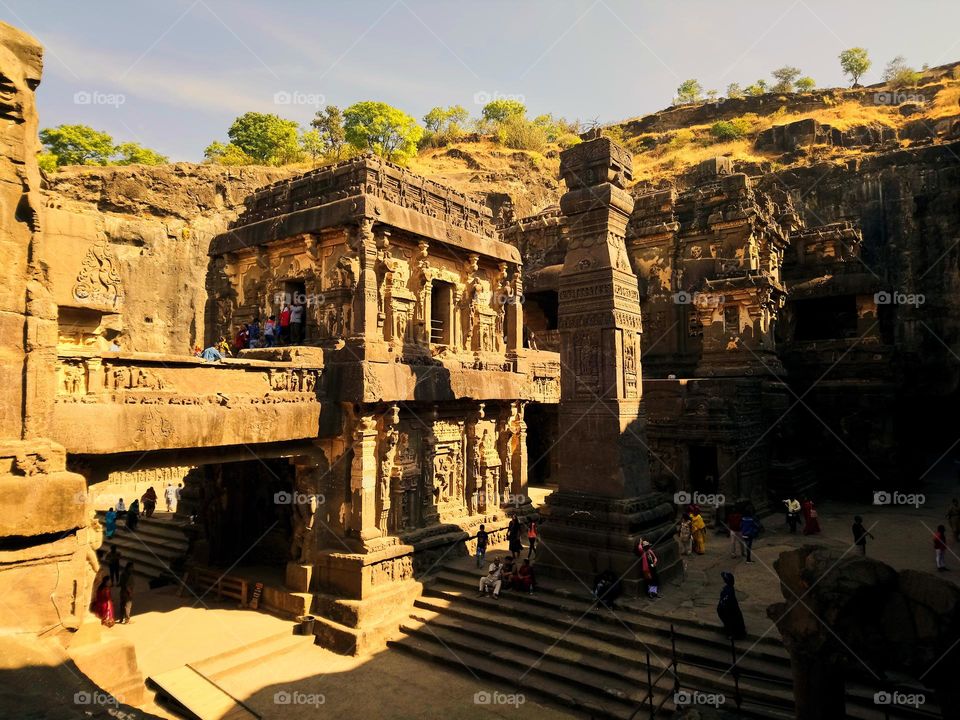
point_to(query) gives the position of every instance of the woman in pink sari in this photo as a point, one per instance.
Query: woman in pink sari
(811, 523)
(103, 602)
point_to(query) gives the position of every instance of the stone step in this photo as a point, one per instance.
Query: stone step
(244, 657)
(199, 697)
(146, 563)
(150, 527)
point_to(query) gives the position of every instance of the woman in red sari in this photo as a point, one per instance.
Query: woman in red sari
(103, 602)
(811, 523)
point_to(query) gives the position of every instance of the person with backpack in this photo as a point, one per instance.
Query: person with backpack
(648, 566)
(749, 530)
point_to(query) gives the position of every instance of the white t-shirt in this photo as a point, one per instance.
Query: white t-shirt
(296, 314)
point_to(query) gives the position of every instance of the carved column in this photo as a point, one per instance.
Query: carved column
(425, 295)
(363, 478)
(515, 314)
(430, 512)
(519, 457)
(474, 477)
(388, 453)
(365, 294)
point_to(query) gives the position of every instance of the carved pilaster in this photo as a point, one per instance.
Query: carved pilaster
(366, 294)
(363, 478)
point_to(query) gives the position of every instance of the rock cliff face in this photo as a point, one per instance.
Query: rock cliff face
(146, 232)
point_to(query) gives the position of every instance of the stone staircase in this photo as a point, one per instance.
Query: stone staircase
(158, 546)
(553, 645)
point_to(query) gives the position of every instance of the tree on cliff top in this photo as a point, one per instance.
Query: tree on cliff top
(502, 109)
(785, 78)
(226, 154)
(267, 138)
(690, 91)
(855, 62)
(382, 129)
(898, 74)
(77, 145)
(445, 124)
(131, 153)
(329, 126)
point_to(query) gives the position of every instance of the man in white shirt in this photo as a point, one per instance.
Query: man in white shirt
(492, 579)
(169, 495)
(296, 323)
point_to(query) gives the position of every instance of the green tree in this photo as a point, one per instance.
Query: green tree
(734, 91)
(131, 153)
(47, 161)
(382, 129)
(226, 154)
(329, 125)
(312, 144)
(445, 124)
(757, 88)
(498, 111)
(785, 78)
(77, 145)
(690, 91)
(898, 74)
(727, 130)
(518, 133)
(855, 62)
(267, 138)
(806, 84)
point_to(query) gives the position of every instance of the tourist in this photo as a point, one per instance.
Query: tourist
(223, 347)
(526, 580)
(940, 547)
(811, 522)
(607, 588)
(729, 609)
(103, 602)
(285, 325)
(197, 351)
(648, 566)
(240, 339)
(792, 509)
(270, 331)
(749, 530)
(698, 529)
(482, 537)
(126, 593)
(532, 537)
(113, 563)
(508, 573)
(253, 333)
(492, 581)
(860, 534)
(953, 518)
(513, 537)
(149, 500)
(133, 515)
(179, 492)
(296, 323)
(121, 507)
(169, 496)
(734, 519)
(685, 534)
(110, 523)
(212, 354)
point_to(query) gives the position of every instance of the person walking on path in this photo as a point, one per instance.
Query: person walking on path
(149, 501)
(648, 565)
(110, 523)
(729, 609)
(749, 530)
(532, 537)
(698, 528)
(126, 593)
(792, 506)
(953, 519)
(513, 537)
(482, 537)
(734, 520)
(685, 535)
(103, 602)
(112, 559)
(811, 520)
(169, 496)
(860, 534)
(940, 547)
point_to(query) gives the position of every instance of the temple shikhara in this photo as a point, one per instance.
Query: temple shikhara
(633, 344)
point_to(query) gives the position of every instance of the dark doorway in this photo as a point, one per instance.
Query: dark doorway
(703, 469)
(441, 316)
(830, 318)
(542, 430)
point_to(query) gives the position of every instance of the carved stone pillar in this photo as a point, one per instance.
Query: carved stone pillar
(388, 453)
(363, 478)
(425, 296)
(366, 294)
(474, 477)
(519, 457)
(430, 512)
(515, 314)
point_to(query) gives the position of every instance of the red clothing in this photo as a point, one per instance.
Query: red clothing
(733, 521)
(524, 579)
(285, 317)
(939, 542)
(103, 606)
(811, 525)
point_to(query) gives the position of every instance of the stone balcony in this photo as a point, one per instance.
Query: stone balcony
(127, 402)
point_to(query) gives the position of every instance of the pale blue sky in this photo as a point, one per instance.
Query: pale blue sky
(186, 68)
